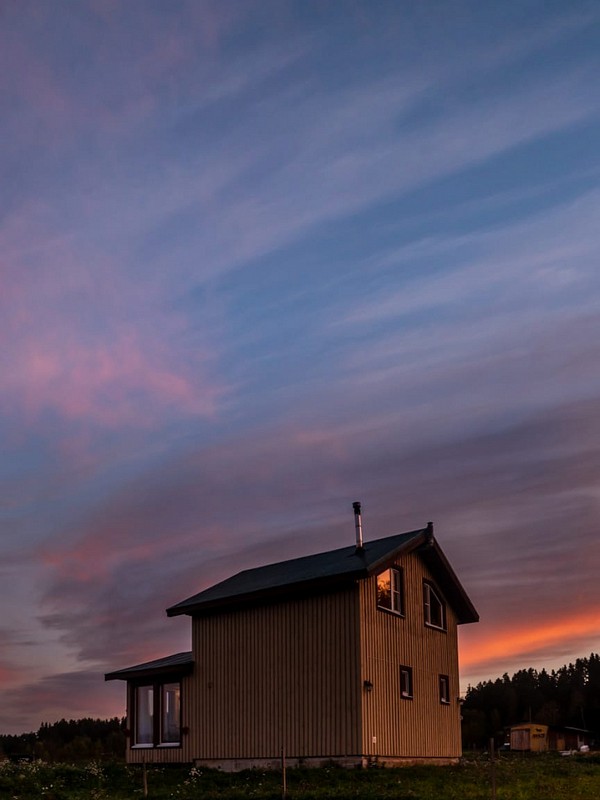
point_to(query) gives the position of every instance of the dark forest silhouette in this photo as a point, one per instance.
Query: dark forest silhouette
(69, 740)
(569, 696)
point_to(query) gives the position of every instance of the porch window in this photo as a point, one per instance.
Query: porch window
(389, 590)
(157, 714)
(434, 607)
(170, 727)
(144, 715)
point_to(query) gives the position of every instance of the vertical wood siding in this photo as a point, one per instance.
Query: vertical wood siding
(282, 674)
(421, 727)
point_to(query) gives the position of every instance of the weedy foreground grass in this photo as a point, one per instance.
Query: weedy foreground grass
(518, 777)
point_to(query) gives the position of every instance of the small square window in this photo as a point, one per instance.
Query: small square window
(406, 683)
(389, 590)
(444, 689)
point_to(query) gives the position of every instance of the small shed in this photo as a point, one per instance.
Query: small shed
(535, 738)
(529, 736)
(569, 738)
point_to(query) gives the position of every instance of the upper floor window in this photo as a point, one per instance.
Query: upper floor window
(434, 607)
(389, 590)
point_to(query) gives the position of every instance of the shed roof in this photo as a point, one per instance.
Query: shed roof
(177, 664)
(328, 570)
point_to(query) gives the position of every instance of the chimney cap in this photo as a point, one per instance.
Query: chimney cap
(429, 533)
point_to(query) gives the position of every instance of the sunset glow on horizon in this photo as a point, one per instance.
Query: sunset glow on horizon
(260, 259)
(483, 652)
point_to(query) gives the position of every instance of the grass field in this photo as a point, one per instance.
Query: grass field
(541, 777)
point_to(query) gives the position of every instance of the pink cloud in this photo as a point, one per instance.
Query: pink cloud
(99, 553)
(112, 384)
(10, 674)
(7, 674)
(46, 103)
(149, 53)
(116, 382)
(86, 341)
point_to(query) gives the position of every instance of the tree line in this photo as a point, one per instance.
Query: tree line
(569, 696)
(68, 740)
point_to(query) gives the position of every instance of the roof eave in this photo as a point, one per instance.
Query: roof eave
(179, 668)
(124, 675)
(277, 592)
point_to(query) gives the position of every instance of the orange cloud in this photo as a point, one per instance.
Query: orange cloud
(506, 644)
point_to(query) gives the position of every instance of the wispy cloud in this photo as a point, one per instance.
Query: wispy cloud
(89, 345)
(524, 263)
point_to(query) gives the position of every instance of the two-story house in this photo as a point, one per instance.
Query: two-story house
(349, 655)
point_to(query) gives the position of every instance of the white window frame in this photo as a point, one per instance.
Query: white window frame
(430, 592)
(396, 591)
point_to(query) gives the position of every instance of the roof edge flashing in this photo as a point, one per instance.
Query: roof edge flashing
(281, 591)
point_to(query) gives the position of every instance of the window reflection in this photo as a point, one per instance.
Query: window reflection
(144, 718)
(389, 590)
(170, 724)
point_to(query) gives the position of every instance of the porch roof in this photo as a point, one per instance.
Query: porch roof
(175, 665)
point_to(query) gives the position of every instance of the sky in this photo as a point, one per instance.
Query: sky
(262, 258)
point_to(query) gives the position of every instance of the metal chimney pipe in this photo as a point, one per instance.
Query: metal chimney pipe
(358, 525)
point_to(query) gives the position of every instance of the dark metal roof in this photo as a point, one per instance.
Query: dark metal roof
(328, 570)
(177, 664)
